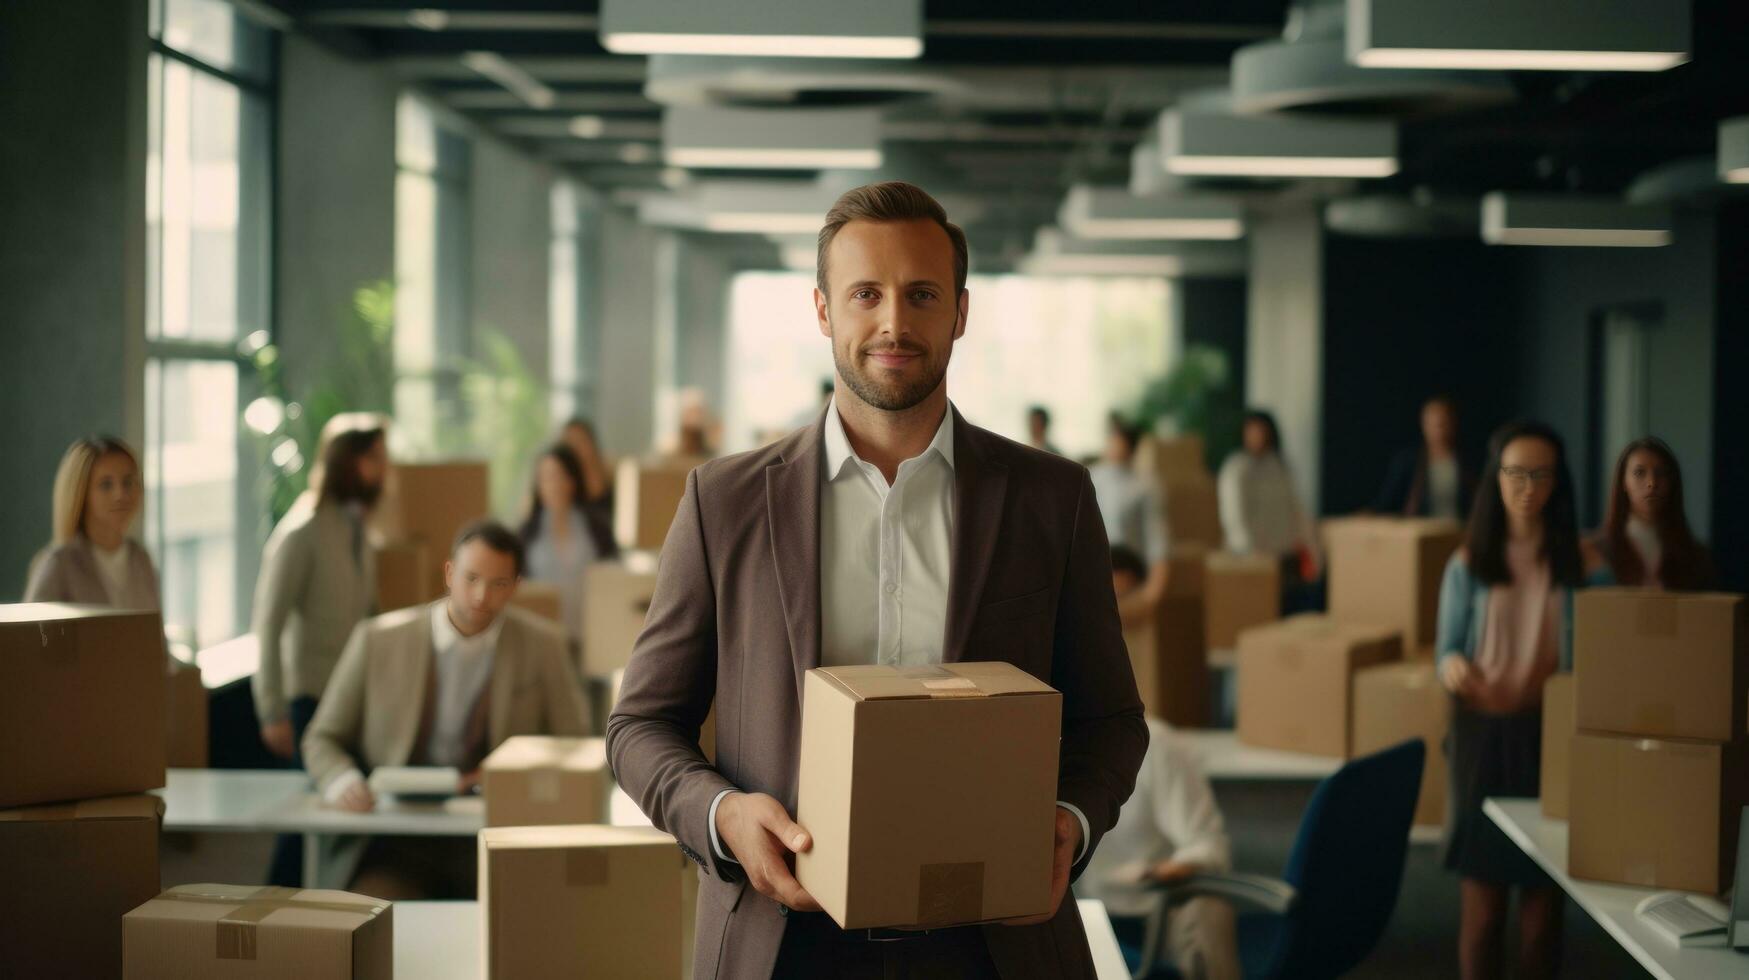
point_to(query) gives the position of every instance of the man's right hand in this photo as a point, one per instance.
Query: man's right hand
(758, 831)
(277, 736)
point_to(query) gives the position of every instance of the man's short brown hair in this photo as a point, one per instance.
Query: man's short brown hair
(892, 200)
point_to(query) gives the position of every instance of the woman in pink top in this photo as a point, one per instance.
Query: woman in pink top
(1505, 625)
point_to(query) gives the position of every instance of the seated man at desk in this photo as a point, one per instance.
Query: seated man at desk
(437, 685)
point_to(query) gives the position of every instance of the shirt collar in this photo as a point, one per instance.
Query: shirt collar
(444, 635)
(838, 451)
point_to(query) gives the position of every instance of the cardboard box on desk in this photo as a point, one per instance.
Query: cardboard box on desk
(1193, 511)
(71, 871)
(1394, 702)
(185, 745)
(1558, 732)
(1187, 570)
(1386, 571)
(536, 780)
(1242, 591)
(82, 692)
(646, 494)
(230, 932)
(566, 903)
(616, 597)
(1659, 813)
(1170, 661)
(930, 793)
(404, 575)
(707, 730)
(428, 503)
(1661, 664)
(1295, 681)
(540, 598)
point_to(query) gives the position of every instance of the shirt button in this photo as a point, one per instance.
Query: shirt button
(892, 587)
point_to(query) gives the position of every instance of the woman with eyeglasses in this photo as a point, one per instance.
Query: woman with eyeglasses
(1645, 532)
(1505, 625)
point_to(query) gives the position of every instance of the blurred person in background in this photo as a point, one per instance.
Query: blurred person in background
(1645, 536)
(1038, 429)
(91, 559)
(562, 534)
(1429, 480)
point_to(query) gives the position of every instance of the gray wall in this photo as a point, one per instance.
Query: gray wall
(72, 259)
(1284, 337)
(511, 204)
(336, 196)
(622, 325)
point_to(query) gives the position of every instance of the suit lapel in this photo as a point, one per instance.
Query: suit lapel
(980, 486)
(792, 503)
(416, 655)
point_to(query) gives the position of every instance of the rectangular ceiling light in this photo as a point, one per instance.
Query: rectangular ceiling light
(1215, 144)
(742, 207)
(771, 139)
(1734, 150)
(1055, 252)
(1529, 35)
(765, 28)
(1113, 212)
(1569, 219)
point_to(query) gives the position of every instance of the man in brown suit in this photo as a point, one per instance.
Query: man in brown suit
(890, 531)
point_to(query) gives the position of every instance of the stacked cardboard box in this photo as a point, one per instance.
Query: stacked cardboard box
(1187, 490)
(83, 693)
(1241, 591)
(208, 932)
(1394, 702)
(185, 728)
(1558, 732)
(403, 574)
(1170, 661)
(1659, 766)
(426, 504)
(1296, 681)
(560, 903)
(538, 780)
(646, 494)
(1386, 571)
(616, 595)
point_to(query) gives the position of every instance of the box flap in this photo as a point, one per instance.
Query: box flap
(881, 682)
(523, 752)
(242, 908)
(572, 835)
(107, 808)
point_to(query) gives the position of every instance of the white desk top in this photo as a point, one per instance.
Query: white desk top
(1223, 758)
(305, 814)
(441, 940)
(225, 662)
(280, 801)
(1612, 906)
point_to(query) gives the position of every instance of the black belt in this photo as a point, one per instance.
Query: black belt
(863, 935)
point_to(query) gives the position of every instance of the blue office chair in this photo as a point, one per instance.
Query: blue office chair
(1336, 895)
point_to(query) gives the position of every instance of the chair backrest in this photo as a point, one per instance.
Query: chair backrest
(1347, 863)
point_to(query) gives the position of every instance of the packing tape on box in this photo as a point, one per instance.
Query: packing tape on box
(585, 867)
(948, 894)
(1655, 616)
(236, 930)
(943, 683)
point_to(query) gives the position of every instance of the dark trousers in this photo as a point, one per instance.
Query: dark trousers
(814, 946)
(287, 868)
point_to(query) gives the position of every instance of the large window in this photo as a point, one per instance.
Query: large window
(1078, 346)
(208, 214)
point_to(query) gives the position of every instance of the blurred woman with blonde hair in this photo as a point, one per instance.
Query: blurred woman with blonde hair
(91, 558)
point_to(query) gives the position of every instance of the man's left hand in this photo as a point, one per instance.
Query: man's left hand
(1068, 843)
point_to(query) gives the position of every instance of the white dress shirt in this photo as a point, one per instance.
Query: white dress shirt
(886, 556)
(1442, 488)
(1260, 510)
(112, 569)
(1171, 815)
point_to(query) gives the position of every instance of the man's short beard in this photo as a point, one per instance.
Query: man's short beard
(894, 397)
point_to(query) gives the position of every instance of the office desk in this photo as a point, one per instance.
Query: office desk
(441, 940)
(1224, 759)
(1612, 906)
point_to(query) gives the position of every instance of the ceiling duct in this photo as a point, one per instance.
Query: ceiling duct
(1386, 216)
(1309, 69)
(773, 139)
(1520, 35)
(687, 80)
(1199, 142)
(1113, 212)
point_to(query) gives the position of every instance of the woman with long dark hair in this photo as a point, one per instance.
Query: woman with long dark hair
(563, 533)
(1645, 532)
(1505, 625)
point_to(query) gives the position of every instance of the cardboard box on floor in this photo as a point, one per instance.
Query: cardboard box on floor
(1658, 813)
(82, 692)
(1386, 571)
(538, 780)
(616, 596)
(1558, 732)
(185, 744)
(428, 503)
(1661, 664)
(540, 598)
(1193, 511)
(71, 871)
(707, 730)
(1187, 570)
(1241, 591)
(976, 745)
(222, 932)
(404, 574)
(564, 903)
(1170, 661)
(646, 494)
(1394, 702)
(1295, 681)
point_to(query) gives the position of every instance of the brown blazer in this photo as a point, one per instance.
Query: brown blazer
(736, 618)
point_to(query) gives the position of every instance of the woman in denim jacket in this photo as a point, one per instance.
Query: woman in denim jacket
(1505, 625)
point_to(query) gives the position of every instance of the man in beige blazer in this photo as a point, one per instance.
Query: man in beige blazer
(438, 685)
(892, 531)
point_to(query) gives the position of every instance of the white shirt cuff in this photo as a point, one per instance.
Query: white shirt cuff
(1086, 831)
(337, 788)
(716, 843)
